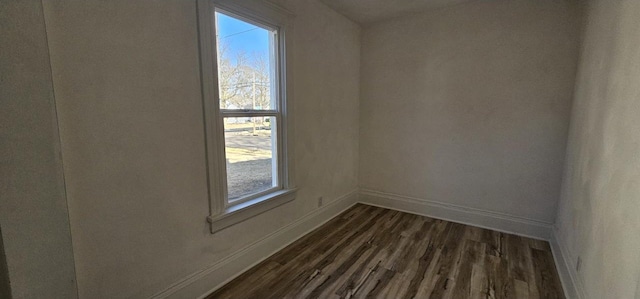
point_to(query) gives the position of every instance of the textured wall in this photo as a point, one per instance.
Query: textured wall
(33, 209)
(469, 105)
(368, 11)
(126, 76)
(598, 213)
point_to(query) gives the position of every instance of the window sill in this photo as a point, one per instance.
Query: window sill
(243, 211)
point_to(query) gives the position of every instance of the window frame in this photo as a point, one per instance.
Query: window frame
(222, 212)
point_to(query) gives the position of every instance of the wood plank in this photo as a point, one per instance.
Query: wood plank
(370, 252)
(521, 289)
(547, 278)
(301, 279)
(449, 261)
(344, 265)
(516, 257)
(471, 255)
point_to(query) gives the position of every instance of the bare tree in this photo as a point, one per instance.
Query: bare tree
(232, 69)
(262, 82)
(244, 83)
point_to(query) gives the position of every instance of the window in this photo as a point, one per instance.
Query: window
(245, 87)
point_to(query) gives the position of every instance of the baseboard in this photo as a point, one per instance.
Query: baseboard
(475, 217)
(566, 269)
(204, 282)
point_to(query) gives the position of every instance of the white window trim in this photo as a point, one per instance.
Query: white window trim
(222, 215)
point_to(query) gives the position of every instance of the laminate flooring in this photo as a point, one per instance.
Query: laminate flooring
(371, 252)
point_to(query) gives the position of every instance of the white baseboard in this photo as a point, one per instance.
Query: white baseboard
(204, 282)
(566, 269)
(474, 217)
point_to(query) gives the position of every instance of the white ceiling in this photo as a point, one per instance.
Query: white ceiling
(367, 11)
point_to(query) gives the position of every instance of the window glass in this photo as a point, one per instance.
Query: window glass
(251, 155)
(246, 72)
(246, 64)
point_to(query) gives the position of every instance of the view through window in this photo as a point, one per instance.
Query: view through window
(247, 81)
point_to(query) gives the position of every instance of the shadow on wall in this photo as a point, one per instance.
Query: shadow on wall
(5, 287)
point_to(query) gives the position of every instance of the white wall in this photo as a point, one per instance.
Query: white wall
(469, 105)
(598, 213)
(127, 86)
(34, 222)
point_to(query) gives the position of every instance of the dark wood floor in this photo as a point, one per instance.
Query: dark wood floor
(370, 252)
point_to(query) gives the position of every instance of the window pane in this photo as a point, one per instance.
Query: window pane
(250, 145)
(246, 64)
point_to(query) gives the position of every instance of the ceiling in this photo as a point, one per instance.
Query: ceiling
(368, 11)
